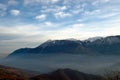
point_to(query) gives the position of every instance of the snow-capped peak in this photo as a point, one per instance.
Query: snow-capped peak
(48, 43)
(93, 39)
(112, 39)
(59, 42)
(71, 39)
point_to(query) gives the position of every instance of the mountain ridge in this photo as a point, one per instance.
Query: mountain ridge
(67, 74)
(106, 45)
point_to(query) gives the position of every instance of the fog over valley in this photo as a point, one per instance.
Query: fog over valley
(96, 64)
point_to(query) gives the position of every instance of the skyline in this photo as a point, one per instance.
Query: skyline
(27, 23)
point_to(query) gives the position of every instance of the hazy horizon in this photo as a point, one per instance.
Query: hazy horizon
(95, 64)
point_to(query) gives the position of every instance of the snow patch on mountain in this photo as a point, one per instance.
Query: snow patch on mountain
(93, 39)
(111, 40)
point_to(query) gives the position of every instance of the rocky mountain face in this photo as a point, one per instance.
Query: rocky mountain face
(107, 45)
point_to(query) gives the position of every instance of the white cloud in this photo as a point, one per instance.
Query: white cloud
(63, 8)
(105, 1)
(28, 35)
(41, 17)
(24, 30)
(77, 11)
(108, 15)
(97, 2)
(12, 2)
(3, 9)
(53, 9)
(49, 24)
(15, 12)
(113, 30)
(94, 12)
(77, 25)
(27, 2)
(62, 15)
(94, 3)
(80, 20)
(54, 1)
(80, 33)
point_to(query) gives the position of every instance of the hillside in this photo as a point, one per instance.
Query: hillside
(9, 73)
(67, 74)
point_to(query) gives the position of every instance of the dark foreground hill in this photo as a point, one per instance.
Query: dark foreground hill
(8, 73)
(108, 45)
(67, 74)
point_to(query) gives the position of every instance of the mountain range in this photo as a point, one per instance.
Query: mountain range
(97, 45)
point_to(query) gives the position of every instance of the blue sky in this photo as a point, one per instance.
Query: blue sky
(27, 23)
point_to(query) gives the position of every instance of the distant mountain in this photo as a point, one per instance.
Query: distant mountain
(98, 45)
(54, 47)
(67, 74)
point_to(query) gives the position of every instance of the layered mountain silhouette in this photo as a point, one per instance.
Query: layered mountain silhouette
(9, 73)
(67, 74)
(97, 45)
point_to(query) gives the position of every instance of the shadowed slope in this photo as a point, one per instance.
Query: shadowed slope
(67, 74)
